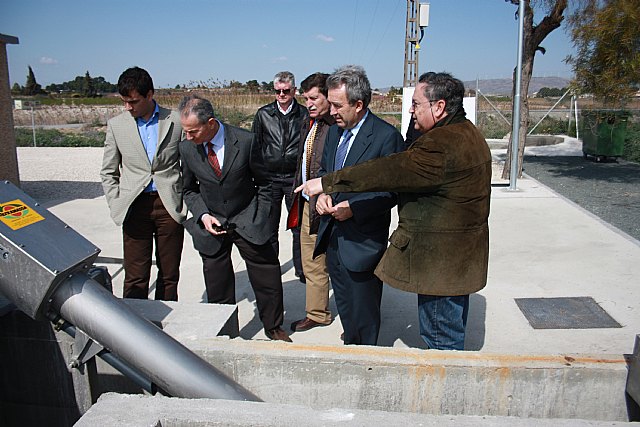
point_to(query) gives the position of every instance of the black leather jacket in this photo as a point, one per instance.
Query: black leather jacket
(279, 136)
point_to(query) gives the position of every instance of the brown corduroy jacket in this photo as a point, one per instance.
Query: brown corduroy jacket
(443, 181)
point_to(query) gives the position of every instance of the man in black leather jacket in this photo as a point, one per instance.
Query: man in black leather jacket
(277, 127)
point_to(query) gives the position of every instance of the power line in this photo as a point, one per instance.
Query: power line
(353, 35)
(375, 11)
(384, 34)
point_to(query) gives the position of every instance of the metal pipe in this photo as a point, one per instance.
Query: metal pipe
(175, 369)
(515, 132)
(575, 110)
(131, 373)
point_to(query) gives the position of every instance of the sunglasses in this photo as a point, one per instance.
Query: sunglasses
(282, 91)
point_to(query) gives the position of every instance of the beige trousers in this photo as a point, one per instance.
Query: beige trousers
(315, 272)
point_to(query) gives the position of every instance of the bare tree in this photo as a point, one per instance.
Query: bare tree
(534, 35)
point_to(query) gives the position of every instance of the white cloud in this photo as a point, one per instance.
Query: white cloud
(280, 59)
(48, 61)
(325, 38)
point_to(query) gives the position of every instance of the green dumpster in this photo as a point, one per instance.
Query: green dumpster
(603, 133)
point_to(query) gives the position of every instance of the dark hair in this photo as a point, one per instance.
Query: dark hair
(198, 106)
(443, 86)
(355, 81)
(318, 80)
(135, 78)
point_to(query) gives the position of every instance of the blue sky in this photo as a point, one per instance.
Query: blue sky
(182, 41)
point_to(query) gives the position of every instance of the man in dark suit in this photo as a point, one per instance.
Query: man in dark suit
(355, 227)
(226, 189)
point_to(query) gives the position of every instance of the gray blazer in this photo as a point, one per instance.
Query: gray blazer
(126, 169)
(241, 196)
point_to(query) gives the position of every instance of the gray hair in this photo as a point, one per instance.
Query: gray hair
(446, 87)
(198, 106)
(285, 77)
(355, 81)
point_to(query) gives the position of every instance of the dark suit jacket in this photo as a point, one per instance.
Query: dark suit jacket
(362, 239)
(324, 124)
(242, 196)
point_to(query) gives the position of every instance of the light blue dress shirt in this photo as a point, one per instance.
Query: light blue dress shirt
(148, 131)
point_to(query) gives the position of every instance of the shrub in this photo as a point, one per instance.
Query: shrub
(553, 126)
(55, 138)
(631, 150)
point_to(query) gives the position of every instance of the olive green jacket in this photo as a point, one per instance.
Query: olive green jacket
(443, 181)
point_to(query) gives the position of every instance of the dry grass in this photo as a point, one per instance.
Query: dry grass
(235, 107)
(238, 107)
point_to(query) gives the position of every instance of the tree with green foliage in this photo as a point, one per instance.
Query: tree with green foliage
(266, 86)
(32, 87)
(393, 92)
(551, 92)
(88, 88)
(534, 35)
(16, 89)
(77, 85)
(606, 34)
(253, 86)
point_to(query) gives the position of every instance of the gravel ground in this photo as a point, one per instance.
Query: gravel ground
(52, 175)
(609, 190)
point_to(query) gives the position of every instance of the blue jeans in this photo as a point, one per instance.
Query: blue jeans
(443, 321)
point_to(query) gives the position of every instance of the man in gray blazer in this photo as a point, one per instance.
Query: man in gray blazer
(142, 184)
(227, 190)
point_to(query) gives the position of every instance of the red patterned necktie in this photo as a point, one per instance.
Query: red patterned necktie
(213, 160)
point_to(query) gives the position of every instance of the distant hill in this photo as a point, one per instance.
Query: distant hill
(504, 86)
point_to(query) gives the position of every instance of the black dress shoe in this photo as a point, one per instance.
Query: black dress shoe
(278, 334)
(305, 324)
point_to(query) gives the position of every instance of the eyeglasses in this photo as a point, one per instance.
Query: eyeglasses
(415, 104)
(282, 91)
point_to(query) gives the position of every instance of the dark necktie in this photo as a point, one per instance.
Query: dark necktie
(341, 152)
(213, 160)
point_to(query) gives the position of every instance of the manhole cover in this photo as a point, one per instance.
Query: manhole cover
(565, 313)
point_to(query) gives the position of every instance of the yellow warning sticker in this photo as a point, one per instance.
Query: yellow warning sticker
(15, 214)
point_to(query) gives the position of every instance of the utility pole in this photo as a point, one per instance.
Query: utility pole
(417, 20)
(411, 45)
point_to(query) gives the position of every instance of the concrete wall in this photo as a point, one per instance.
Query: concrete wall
(36, 388)
(430, 382)
(320, 378)
(8, 157)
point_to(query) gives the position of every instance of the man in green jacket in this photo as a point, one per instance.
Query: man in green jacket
(440, 249)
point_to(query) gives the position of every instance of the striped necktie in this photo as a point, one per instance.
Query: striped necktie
(213, 160)
(341, 152)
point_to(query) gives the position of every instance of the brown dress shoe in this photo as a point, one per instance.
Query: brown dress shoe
(305, 324)
(278, 334)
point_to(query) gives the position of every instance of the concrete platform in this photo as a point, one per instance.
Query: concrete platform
(541, 245)
(162, 411)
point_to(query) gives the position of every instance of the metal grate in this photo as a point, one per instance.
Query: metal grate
(565, 313)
